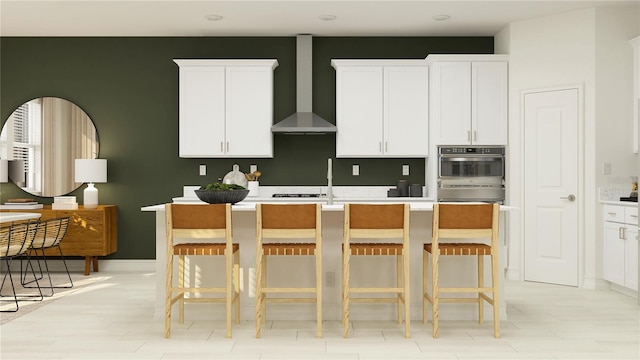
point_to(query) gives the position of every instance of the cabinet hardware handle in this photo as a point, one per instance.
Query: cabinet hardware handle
(227, 146)
(221, 146)
(634, 215)
(620, 235)
(612, 213)
(475, 135)
(624, 233)
(380, 147)
(386, 146)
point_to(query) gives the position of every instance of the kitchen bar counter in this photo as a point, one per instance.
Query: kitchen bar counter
(332, 223)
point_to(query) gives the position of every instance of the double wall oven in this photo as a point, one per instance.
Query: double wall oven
(471, 173)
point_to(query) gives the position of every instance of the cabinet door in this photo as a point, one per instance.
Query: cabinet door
(249, 111)
(359, 99)
(451, 102)
(613, 253)
(202, 111)
(489, 103)
(631, 257)
(406, 111)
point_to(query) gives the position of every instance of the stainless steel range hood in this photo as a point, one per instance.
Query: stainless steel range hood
(303, 120)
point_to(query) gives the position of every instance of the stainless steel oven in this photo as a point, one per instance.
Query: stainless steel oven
(471, 173)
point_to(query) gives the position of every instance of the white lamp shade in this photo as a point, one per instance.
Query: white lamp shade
(4, 170)
(91, 170)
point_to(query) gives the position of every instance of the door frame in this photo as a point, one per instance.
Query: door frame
(580, 193)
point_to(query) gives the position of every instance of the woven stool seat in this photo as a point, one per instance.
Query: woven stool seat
(202, 249)
(289, 248)
(461, 249)
(376, 248)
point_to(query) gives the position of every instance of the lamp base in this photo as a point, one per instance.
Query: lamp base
(90, 197)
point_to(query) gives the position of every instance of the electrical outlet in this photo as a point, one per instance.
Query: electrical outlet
(203, 170)
(253, 168)
(355, 170)
(606, 168)
(405, 170)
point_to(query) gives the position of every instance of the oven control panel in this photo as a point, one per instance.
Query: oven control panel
(471, 150)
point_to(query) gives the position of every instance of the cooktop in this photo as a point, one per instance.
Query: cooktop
(297, 195)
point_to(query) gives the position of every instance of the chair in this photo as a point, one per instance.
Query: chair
(49, 235)
(15, 240)
(463, 221)
(377, 221)
(287, 221)
(211, 221)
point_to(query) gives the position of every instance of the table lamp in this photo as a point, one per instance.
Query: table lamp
(91, 171)
(4, 170)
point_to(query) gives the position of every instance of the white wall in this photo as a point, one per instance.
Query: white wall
(577, 48)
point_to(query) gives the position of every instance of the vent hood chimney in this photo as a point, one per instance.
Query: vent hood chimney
(303, 120)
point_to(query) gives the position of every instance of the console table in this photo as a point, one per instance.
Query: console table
(91, 232)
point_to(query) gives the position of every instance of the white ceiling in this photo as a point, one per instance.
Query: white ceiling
(273, 18)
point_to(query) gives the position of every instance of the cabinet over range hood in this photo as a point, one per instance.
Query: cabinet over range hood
(303, 120)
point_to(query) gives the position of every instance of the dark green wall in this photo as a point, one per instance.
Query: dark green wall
(129, 88)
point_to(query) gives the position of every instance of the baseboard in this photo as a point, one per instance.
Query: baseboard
(111, 265)
(594, 283)
(513, 274)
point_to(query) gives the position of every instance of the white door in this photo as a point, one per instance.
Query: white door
(551, 175)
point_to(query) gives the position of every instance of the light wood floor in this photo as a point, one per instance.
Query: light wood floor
(109, 315)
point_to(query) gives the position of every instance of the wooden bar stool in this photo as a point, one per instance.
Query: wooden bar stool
(287, 221)
(463, 221)
(211, 221)
(377, 221)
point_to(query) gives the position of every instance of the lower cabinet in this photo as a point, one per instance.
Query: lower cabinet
(620, 248)
(91, 232)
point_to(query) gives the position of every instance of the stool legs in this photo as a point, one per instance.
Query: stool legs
(318, 258)
(345, 289)
(495, 298)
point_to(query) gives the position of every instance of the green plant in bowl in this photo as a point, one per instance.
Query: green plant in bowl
(219, 193)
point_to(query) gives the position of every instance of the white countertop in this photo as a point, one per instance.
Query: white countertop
(342, 195)
(620, 203)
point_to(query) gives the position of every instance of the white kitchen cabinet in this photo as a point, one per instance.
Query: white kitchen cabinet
(635, 42)
(226, 108)
(469, 95)
(382, 108)
(620, 245)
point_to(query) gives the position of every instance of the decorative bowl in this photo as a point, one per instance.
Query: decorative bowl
(221, 196)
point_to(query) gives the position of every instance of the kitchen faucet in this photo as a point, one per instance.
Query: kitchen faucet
(329, 182)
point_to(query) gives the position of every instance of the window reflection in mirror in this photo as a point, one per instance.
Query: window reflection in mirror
(41, 139)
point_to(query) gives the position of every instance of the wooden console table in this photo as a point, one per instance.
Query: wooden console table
(91, 233)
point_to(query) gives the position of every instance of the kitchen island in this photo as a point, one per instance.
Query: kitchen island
(380, 272)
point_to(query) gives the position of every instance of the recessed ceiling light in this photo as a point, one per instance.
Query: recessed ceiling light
(442, 17)
(213, 17)
(327, 17)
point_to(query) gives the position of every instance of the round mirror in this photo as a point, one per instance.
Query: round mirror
(41, 139)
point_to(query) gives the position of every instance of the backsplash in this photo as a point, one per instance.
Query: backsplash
(613, 193)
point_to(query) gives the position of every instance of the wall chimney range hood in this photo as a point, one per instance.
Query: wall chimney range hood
(303, 120)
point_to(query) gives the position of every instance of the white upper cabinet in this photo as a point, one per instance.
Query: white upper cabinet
(382, 108)
(469, 95)
(226, 108)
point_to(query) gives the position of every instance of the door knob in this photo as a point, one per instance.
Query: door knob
(570, 197)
